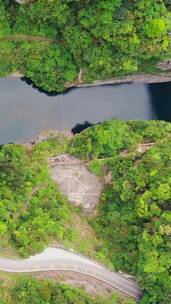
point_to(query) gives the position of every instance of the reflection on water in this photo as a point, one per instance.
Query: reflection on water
(24, 111)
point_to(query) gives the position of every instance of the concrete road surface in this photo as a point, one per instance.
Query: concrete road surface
(60, 259)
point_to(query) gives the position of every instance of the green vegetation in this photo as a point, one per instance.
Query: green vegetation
(50, 41)
(33, 213)
(32, 209)
(130, 229)
(134, 216)
(113, 136)
(26, 290)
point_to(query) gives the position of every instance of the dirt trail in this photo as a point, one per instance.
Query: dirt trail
(27, 37)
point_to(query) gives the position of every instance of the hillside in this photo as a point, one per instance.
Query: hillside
(56, 43)
(130, 228)
(28, 290)
(134, 214)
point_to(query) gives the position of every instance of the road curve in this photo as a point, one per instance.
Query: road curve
(64, 260)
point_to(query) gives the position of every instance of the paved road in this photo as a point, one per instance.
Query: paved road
(60, 259)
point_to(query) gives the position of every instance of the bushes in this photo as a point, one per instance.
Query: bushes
(27, 290)
(134, 216)
(104, 140)
(113, 136)
(151, 130)
(4, 19)
(33, 212)
(133, 220)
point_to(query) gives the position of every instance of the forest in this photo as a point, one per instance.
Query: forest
(130, 230)
(134, 217)
(50, 42)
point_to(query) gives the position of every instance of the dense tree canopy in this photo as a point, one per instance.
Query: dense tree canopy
(133, 221)
(134, 217)
(104, 38)
(32, 209)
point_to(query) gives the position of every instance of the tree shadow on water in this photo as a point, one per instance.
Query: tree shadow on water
(80, 127)
(160, 94)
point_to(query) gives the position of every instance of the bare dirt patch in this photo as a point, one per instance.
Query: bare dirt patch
(28, 38)
(75, 181)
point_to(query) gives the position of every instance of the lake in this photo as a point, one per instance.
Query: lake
(25, 111)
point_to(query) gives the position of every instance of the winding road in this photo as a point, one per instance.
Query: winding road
(63, 260)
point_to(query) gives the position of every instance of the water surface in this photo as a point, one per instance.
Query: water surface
(24, 111)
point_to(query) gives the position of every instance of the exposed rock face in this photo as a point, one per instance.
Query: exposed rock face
(76, 181)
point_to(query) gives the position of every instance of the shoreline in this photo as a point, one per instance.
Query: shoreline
(51, 133)
(45, 135)
(137, 78)
(146, 78)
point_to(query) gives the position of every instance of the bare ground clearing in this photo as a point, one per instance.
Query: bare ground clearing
(75, 181)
